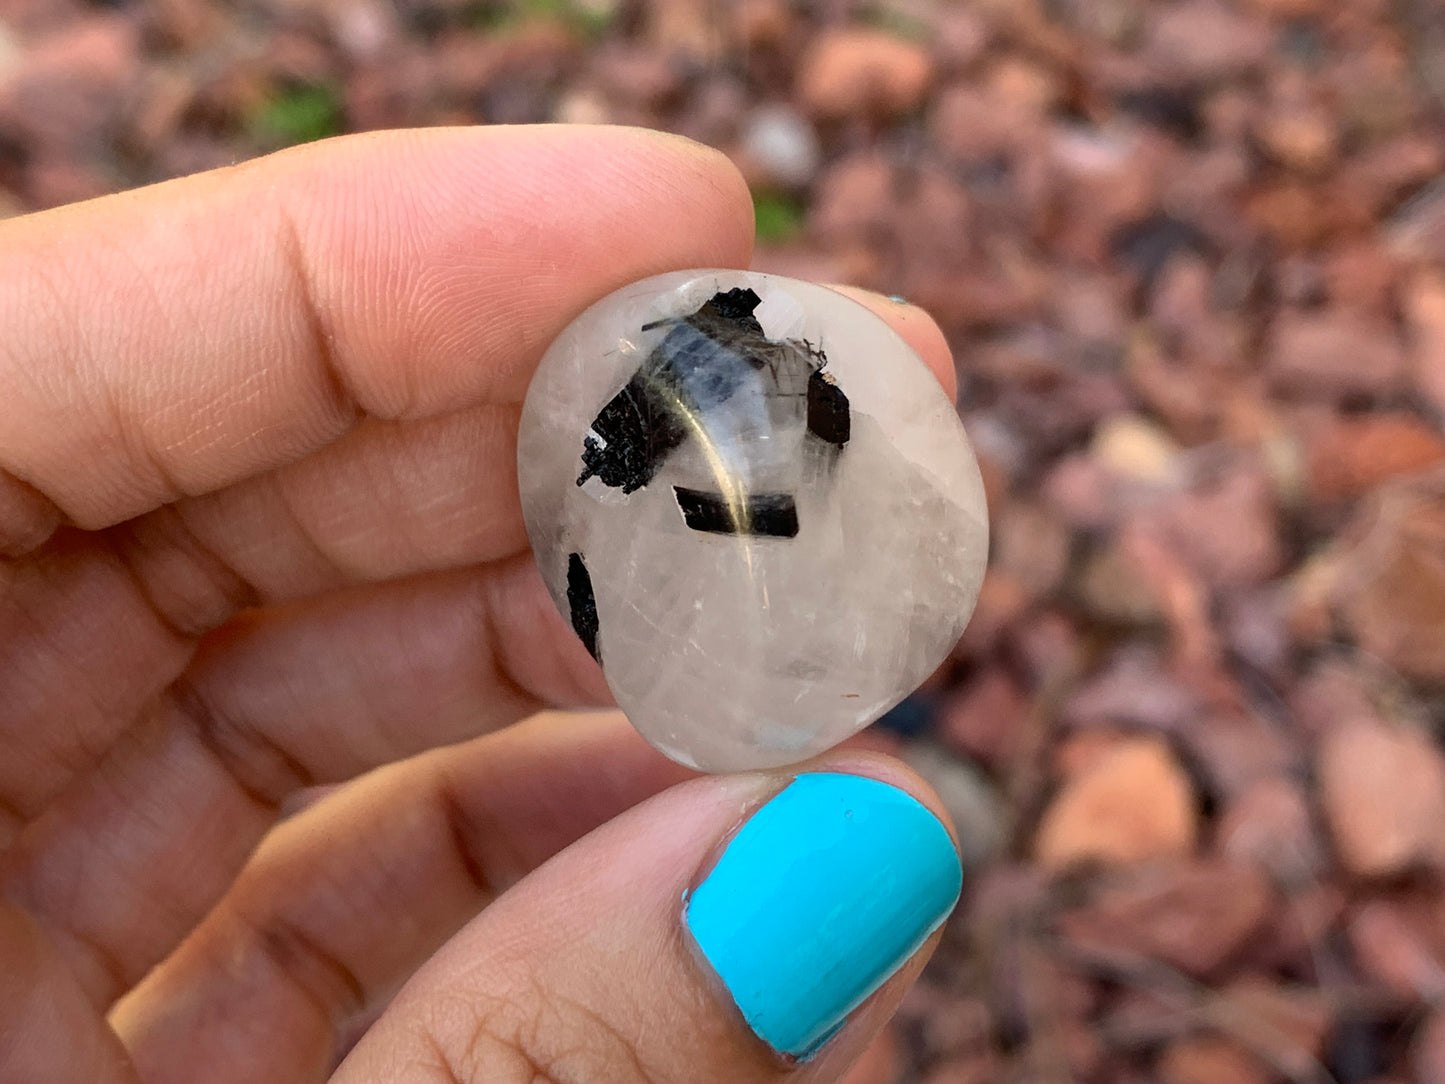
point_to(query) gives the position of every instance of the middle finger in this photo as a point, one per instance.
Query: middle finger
(120, 610)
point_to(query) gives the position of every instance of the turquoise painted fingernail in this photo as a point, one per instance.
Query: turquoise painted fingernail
(820, 896)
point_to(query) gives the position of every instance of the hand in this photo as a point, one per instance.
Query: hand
(260, 533)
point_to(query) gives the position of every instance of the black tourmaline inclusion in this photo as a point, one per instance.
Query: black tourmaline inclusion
(582, 603)
(631, 436)
(770, 514)
(735, 306)
(828, 416)
(702, 362)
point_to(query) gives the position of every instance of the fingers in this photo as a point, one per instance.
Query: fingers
(90, 633)
(164, 342)
(388, 499)
(81, 653)
(52, 1034)
(177, 339)
(361, 678)
(285, 700)
(344, 901)
(728, 930)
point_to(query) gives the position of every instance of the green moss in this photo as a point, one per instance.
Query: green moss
(300, 114)
(900, 24)
(588, 19)
(779, 218)
(593, 20)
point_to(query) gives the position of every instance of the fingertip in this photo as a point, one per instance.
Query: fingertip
(736, 219)
(840, 874)
(722, 176)
(883, 767)
(699, 174)
(917, 328)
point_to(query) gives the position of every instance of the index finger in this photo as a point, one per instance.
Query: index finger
(176, 339)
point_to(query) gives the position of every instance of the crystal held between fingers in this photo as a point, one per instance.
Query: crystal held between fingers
(756, 507)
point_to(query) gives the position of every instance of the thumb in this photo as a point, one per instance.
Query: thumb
(758, 927)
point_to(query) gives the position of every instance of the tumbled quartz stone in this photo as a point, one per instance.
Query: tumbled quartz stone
(757, 508)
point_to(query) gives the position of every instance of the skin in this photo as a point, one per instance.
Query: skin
(260, 534)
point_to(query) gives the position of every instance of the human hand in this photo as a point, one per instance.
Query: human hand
(260, 532)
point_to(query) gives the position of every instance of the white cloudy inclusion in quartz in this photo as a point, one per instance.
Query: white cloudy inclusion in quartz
(756, 507)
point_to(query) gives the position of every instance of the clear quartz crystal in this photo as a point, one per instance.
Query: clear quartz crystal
(756, 506)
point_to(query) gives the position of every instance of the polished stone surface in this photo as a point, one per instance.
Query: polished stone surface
(757, 508)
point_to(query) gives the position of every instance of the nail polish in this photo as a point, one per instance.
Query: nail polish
(821, 896)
